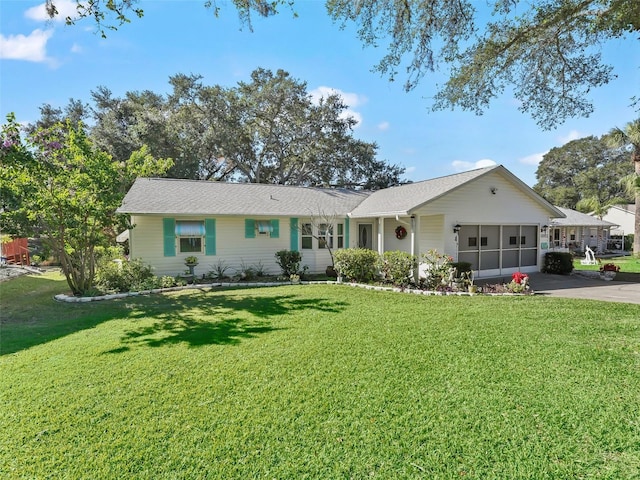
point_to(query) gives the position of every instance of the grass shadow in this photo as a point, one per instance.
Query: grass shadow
(29, 316)
(201, 318)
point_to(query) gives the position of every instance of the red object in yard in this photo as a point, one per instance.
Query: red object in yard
(16, 252)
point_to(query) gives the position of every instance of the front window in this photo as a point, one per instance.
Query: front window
(306, 236)
(323, 233)
(190, 244)
(340, 235)
(190, 236)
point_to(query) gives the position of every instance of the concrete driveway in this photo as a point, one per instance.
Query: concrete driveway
(577, 286)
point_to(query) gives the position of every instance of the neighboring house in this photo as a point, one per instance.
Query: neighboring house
(624, 217)
(487, 217)
(577, 230)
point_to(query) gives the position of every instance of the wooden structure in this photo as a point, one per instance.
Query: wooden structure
(16, 252)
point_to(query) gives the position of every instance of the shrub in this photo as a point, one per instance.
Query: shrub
(461, 267)
(358, 264)
(246, 272)
(219, 270)
(439, 270)
(124, 276)
(397, 267)
(558, 262)
(289, 262)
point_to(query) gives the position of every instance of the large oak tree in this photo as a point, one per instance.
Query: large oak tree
(266, 130)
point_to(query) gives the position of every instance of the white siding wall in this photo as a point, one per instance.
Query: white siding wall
(432, 233)
(392, 243)
(474, 204)
(621, 217)
(146, 243)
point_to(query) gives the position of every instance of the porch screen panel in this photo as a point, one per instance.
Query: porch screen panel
(530, 236)
(489, 260)
(469, 245)
(510, 259)
(510, 246)
(529, 257)
(489, 237)
(529, 252)
(471, 257)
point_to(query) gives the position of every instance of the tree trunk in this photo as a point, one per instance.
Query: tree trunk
(636, 233)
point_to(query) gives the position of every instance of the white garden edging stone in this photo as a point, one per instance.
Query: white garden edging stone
(204, 286)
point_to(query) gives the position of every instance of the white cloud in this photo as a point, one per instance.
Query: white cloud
(410, 169)
(572, 135)
(533, 159)
(75, 48)
(66, 8)
(462, 166)
(351, 100)
(383, 126)
(32, 47)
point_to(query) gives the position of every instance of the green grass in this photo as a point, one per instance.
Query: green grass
(627, 264)
(316, 382)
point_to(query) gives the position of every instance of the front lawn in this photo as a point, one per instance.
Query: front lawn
(629, 264)
(316, 381)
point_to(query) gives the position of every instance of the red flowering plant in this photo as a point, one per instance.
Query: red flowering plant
(519, 283)
(520, 278)
(609, 267)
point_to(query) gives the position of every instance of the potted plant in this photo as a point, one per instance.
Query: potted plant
(608, 271)
(191, 261)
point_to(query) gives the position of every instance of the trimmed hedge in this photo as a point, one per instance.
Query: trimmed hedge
(558, 262)
(357, 264)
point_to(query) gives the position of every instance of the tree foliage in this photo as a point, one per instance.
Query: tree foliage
(65, 190)
(267, 130)
(586, 168)
(548, 51)
(627, 140)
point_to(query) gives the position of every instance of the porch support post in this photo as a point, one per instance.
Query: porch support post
(415, 245)
(380, 235)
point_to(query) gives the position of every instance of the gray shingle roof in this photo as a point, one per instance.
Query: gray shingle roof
(175, 197)
(578, 219)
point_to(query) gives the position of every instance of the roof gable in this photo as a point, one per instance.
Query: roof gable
(405, 199)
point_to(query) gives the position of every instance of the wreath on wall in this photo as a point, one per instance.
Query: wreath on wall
(401, 232)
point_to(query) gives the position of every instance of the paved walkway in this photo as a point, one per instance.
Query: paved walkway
(577, 286)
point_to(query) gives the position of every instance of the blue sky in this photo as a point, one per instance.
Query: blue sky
(47, 62)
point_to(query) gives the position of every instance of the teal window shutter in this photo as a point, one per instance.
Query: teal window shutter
(294, 235)
(346, 232)
(210, 236)
(249, 228)
(275, 228)
(169, 235)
